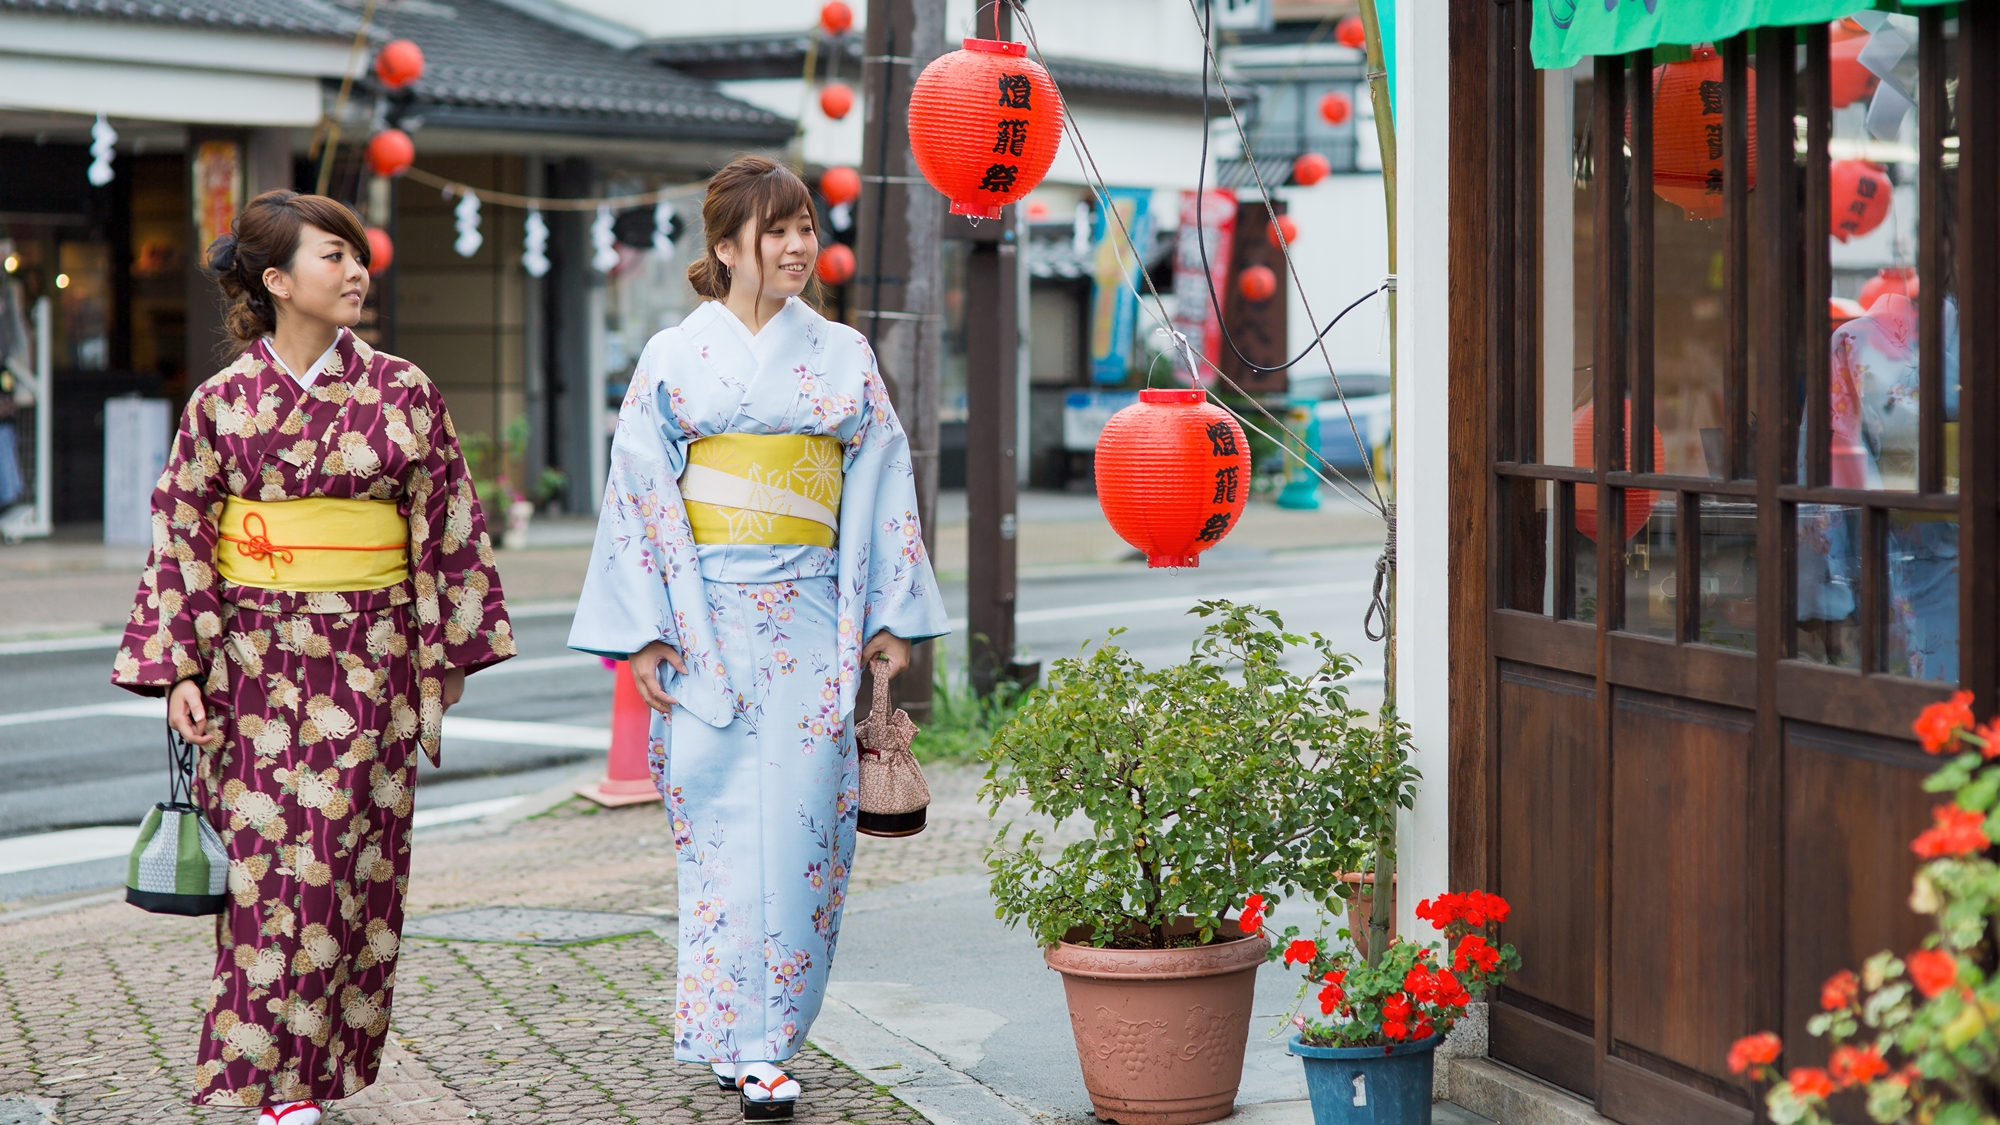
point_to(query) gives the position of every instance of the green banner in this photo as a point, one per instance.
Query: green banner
(1569, 31)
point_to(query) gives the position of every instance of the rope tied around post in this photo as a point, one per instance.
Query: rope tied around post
(1378, 602)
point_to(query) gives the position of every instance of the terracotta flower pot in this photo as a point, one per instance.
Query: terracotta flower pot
(1361, 908)
(1161, 1032)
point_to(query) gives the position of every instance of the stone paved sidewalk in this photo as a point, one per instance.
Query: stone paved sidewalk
(99, 1007)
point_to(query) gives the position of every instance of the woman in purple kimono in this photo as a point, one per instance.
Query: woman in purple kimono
(319, 587)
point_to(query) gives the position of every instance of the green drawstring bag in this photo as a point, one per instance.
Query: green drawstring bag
(178, 865)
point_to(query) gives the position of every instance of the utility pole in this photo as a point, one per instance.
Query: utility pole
(900, 280)
(992, 368)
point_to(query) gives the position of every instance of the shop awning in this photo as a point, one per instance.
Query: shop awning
(1569, 31)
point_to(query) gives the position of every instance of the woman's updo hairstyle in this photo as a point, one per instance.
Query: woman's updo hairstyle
(266, 234)
(749, 188)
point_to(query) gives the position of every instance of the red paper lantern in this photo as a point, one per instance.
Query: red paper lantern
(836, 264)
(391, 152)
(1840, 310)
(381, 251)
(1849, 80)
(399, 63)
(1257, 284)
(836, 17)
(1638, 501)
(1173, 473)
(1310, 169)
(840, 184)
(1861, 194)
(1336, 108)
(985, 122)
(1285, 225)
(1901, 280)
(836, 99)
(1687, 113)
(1351, 32)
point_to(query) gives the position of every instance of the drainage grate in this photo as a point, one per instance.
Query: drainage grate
(524, 925)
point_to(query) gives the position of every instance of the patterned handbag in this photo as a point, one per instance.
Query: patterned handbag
(178, 865)
(893, 794)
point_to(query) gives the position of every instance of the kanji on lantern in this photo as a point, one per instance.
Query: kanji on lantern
(1173, 474)
(1861, 193)
(985, 123)
(1688, 120)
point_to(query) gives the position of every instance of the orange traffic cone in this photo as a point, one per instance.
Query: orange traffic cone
(628, 780)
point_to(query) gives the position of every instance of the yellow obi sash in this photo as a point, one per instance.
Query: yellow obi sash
(763, 488)
(313, 545)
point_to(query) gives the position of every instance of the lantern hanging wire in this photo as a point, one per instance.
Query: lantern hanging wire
(1376, 504)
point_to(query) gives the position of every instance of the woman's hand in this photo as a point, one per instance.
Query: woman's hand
(646, 674)
(889, 647)
(187, 713)
(453, 682)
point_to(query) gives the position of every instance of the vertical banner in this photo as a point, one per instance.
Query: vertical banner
(1195, 314)
(1114, 307)
(135, 454)
(218, 190)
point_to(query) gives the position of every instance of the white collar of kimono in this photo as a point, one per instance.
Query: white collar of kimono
(757, 342)
(319, 365)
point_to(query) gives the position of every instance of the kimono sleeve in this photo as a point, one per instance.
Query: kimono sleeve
(643, 538)
(900, 590)
(461, 612)
(177, 612)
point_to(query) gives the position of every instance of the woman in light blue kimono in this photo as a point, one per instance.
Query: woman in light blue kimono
(758, 543)
(1873, 416)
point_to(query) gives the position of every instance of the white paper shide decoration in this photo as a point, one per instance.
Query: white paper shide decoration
(466, 219)
(604, 244)
(535, 244)
(103, 147)
(663, 231)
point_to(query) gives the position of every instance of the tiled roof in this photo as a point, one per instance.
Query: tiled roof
(289, 17)
(488, 65)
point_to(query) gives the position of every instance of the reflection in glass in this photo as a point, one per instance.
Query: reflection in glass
(1728, 577)
(1568, 261)
(1922, 635)
(1650, 582)
(1829, 628)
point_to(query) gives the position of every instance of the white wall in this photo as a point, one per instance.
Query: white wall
(1342, 252)
(1132, 149)
(826, 141)
(692, 19)
(1423, 310)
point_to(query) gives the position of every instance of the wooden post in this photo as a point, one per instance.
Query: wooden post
(901, 275)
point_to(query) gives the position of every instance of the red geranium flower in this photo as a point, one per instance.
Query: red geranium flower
(1441, 911)
(1760, 1049)
(1954, 832)
(1839, 990)
(1938, 726)
(1301, 951)
(1331, 997)
(1855, 1066)
(1476, 950)
(1932, 970)
(1396, 1007)
(1424, 1030)
(1810, 1082)
(1252, 918)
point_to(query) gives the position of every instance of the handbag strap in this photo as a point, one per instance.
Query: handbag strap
(878, 715)
(180, 769)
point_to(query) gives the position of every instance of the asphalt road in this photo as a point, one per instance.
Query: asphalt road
(78, 768)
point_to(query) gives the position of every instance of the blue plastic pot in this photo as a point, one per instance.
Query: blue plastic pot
(1369, 1085)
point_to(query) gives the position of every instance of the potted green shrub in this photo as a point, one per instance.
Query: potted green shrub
(1369, 1052)
(1200, 782)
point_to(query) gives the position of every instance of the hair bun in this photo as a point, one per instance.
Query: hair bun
(222, 253)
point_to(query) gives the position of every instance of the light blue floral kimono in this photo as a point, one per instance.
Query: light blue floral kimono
(757, 763)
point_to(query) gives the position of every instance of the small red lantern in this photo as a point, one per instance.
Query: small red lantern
(836, 264)
(1173, 473)
(1638, 501)
(836, 99)
(840, 184)
(836, 17)
(1861, 194)
(1351, 32)
(1900, 280)
(1257, 284)
(1840, 310)
(381, 251)
(391, 152)
(1310, 169)
(985, 123)
(1285, 225)
(1336, 108)
(1850, 81)
(1687, 168)
(399, 63)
